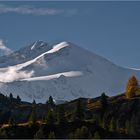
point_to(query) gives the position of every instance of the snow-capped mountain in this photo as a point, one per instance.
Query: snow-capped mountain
(24, 54)
(64, 71)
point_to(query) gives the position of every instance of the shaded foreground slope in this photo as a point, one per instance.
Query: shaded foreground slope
(80, 118)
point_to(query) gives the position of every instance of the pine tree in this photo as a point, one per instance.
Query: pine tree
(18, 99)
(103, 101)
(12, 122)
(34, 102)
(77, 134)
(11, 97)
(39, 134)
(131, 87)
(79, 112)
(32, 117)
(117, 125)
(61, 115)
(82, 133)
(51, 102)
(71, 136)
(112, 124)
(85, 134)
(96, 135)
(105, 120)
(133, 123)
(3, 134)
(50, 118)
(127, 126)
(51, 135)
(104, 104)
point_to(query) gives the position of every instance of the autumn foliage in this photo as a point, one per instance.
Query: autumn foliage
(132, 86)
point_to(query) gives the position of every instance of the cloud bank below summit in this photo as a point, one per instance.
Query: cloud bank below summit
(12, 74)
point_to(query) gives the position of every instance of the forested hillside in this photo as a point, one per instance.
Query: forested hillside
(100, 117)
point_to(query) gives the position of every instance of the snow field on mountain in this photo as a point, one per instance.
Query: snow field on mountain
(64, 71)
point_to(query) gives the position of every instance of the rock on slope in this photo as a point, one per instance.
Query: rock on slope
(64, 71)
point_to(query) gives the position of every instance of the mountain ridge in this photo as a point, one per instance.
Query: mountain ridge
(65, 71)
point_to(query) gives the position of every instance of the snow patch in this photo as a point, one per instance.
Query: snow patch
(58, 47)
(33, 45)
(54, 76)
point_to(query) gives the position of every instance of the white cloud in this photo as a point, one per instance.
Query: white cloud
(12, 74)
(3, 49)
(36, 11)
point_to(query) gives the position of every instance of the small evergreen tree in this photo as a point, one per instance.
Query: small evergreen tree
(112, 124)
(105, 120)
(32, 117)
(51, 135)
(51, 102)
(61, 115)
(18, 99)
(82, 133)
(77, 134)
(3, 134)
(50, 118)
(79, 112)
(97, 119)
(133, 123)
(117, 125)
(104, 104)
(34, 102)
(103, 101)
(71, 135)
(127, 126)
(11, 97)
(12, 122)
(39, 134)
(96, 135)
(85, 134)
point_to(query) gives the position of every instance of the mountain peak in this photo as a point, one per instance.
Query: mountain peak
(25, 54)
(64, 70)
(39, 44)
(59, 46)
(63, 44)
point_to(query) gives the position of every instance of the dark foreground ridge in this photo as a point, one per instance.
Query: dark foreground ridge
(101, 117)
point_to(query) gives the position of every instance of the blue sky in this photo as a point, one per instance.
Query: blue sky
(110, 29)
